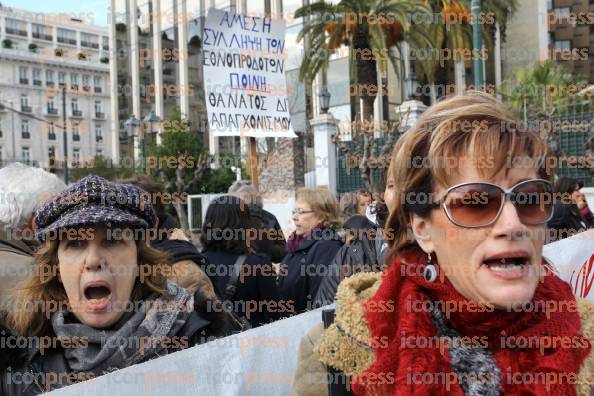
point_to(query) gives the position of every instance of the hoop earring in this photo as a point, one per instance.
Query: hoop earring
(430, 272)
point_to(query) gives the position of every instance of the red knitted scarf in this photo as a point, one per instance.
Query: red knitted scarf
(542, 363)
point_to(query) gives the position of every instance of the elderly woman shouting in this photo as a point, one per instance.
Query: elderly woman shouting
(466, 306)
(99, 299)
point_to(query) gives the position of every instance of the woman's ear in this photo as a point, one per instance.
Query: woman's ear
(421, 228)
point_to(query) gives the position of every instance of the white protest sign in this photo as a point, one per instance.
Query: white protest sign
(244, 76)
(573, 258)
(258, 362)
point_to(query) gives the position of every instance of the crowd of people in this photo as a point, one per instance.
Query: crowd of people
(88, 287)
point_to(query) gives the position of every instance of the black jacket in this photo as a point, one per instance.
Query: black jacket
(363, 254)
(566, 221)
(204, 324)
(255, 295)
(272, 242)
(302, 271)
(178, 250)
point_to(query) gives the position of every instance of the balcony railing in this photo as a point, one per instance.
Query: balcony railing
(99, 114)
(24, 81)
(66, 40)
(52, 111)
(98, 89)
(51, 136)
(76, 138)
(43, 36)
(26, 135)
(37, 82)
(17, 32)
(26, 109)
(89, 44)
(76, 113)
(99, 139)
(50, 84)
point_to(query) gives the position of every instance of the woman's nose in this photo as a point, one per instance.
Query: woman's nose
(94, 260)
(509, 224)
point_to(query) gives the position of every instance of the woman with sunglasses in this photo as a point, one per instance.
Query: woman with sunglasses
(466, 306)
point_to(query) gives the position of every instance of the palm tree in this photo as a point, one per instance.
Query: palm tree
(454, 32)
(354, 24)
(539, 89)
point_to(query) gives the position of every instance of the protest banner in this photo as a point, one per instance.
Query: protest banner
(244, 73)
(260, 361)
(573, 259)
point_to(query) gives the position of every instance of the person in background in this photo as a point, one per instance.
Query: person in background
(271, 240)
(567, 219)
(95, 284)
(355, 202)
(187, 260)
(364, 250)
(585, 211)
(22, 190)
(312, 246)
(239, 275)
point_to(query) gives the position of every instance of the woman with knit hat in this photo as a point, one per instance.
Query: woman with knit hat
(99, 294)
(466, 305)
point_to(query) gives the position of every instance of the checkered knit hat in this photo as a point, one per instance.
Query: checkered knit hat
(94, 200)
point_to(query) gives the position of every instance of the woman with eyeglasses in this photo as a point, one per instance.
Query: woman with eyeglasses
(311, 247)
(569, 203)
(466, 305)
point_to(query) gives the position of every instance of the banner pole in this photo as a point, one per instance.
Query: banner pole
(254, 162)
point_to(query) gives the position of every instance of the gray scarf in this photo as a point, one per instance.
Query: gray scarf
(137, 340)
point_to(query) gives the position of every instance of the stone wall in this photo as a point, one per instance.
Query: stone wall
(284, 167)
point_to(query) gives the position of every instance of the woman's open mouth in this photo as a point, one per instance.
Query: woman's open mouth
(97, 295)
(508, 267)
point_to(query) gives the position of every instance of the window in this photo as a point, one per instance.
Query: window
(25, 134)
(25, 155)
(75, 133)
(74, 80)
(36, 76)
(562, 13)
(61, 78)
(66, 36)
(98, 153)
(75, 110)
(86, 82)
(75, 157)
(51, 106)
(105, 40)
(49, 78)
(98, 110)
(89, 40)
(51, 155)
(23, 75)
(25, 108)
(97, 84)
(42, 32)
(51, 134)
(98, 133)
(563, 45)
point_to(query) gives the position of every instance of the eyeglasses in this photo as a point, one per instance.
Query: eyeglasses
(299, 212)
(474, 205)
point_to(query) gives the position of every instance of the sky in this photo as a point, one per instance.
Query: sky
(97, 8)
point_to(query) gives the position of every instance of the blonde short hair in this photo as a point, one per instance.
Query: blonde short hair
(323, 203)
(473, 125)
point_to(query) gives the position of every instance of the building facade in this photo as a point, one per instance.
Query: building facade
(45, 59)
(159, 68)
(571, 31)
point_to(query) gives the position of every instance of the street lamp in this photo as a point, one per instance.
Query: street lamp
(324, 100)
(152, 119)
(411, 86)
(132, 125)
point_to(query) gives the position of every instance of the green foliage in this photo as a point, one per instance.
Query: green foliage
(182, 163)
(541, 88)
(103, 167)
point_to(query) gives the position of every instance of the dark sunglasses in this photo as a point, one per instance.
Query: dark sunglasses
(475, 205)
